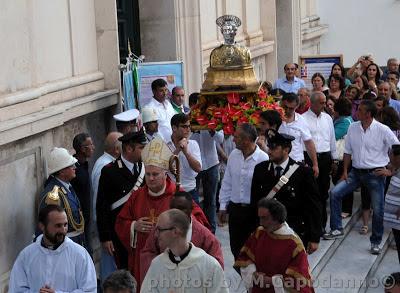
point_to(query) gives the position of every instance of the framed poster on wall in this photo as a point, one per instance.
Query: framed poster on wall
(317, 63)
(171, 72)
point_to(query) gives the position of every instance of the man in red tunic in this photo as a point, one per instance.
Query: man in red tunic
(140, 213)
(198, 234)
(273, 258)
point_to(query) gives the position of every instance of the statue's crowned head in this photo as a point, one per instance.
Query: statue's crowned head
(229, 25)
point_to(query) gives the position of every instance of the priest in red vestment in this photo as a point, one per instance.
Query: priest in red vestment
(273, 259)
(139, 214)
(198, 234)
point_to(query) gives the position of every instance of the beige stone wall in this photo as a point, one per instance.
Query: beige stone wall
(311, 28)
(59, 77)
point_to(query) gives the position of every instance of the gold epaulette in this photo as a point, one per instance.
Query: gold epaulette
(53, 197)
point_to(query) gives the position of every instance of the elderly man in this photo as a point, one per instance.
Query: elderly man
(178, 100)
(198, 234)
(163, 107)
(59, 191)
(290, 83)
(285, 256)
(183, 266)
(385, 89)
(117, 181)
(392, 65)
(323, 135)
(235, 193)
(367, 146)
(112, 150)
(140, 213)
(304, 100)
(53, 263)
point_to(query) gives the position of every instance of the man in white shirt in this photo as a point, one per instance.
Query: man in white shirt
(164, 109)
(188, 152)
(209, 175)
(295, 125)
(112, 150)
(323, 135)
(235, 193)
(366, 146)
(54, 263)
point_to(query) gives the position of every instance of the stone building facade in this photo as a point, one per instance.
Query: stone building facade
(59, 76)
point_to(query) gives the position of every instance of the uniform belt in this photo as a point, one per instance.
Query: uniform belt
(243, 205)
(74, 234)
(367, 170)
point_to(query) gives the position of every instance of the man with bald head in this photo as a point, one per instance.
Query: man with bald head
(198, 234)
(290, 83)
(112, 150)
(323, 135)
(182, 266)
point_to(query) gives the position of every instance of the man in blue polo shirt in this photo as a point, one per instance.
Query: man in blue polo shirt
(290, 83)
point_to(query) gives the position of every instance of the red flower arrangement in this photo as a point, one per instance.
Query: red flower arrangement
(227, 113)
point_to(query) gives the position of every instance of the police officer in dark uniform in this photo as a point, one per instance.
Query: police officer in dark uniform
(59, 191)
(117, 182)
(299, 194)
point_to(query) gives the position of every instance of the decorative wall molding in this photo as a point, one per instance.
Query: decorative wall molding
(54, 116)
(51, 87)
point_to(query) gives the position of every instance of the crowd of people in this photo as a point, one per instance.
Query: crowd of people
(158, 193)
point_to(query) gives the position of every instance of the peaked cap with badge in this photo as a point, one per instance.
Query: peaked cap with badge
(274, 138)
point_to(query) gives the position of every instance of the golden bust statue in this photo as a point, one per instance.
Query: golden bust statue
(230, 63)
(230, 56)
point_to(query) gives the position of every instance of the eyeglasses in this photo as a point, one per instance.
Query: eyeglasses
(185, 126)
(158, 229)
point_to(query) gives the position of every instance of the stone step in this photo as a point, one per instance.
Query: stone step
(388, 265)
(233, 279)
(350, 264)
(327, 248)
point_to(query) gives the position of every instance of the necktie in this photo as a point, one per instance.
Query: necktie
(278, 171)
(135, 170)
